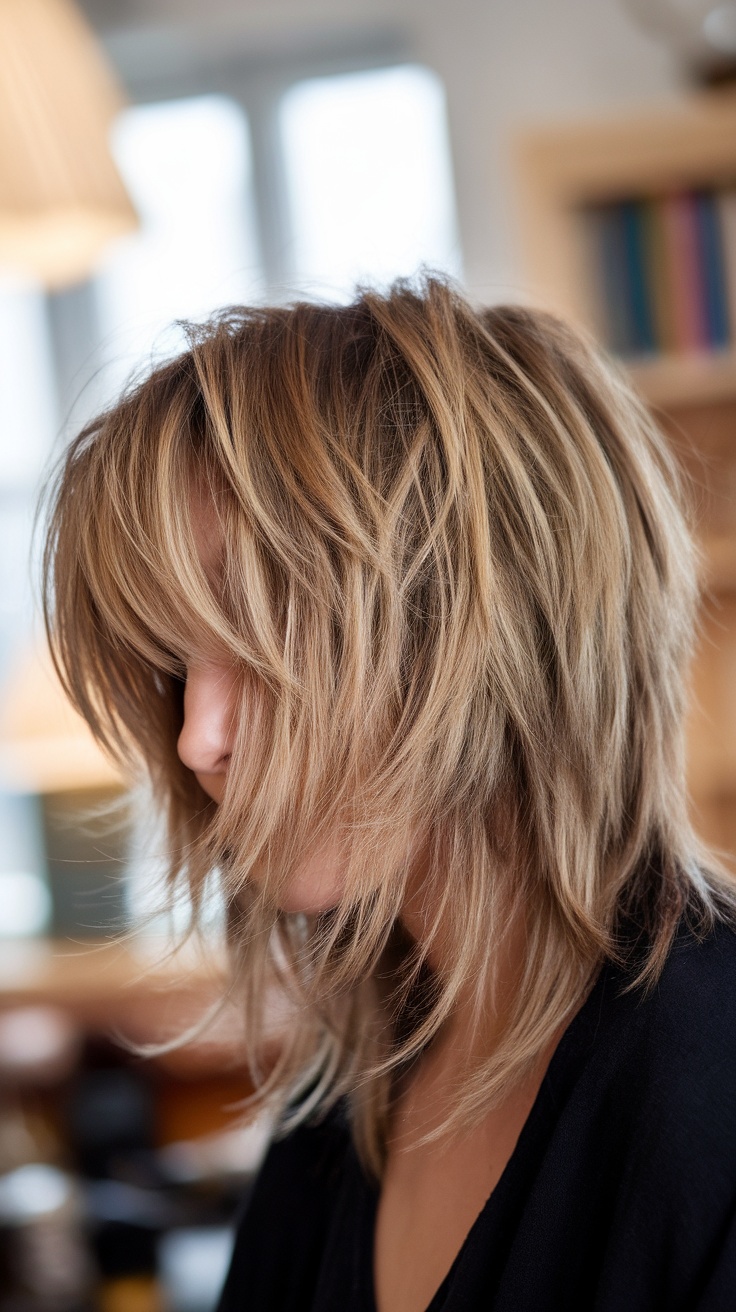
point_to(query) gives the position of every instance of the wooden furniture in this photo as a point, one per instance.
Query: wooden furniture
(562, 171)
(135, 987)
(117, 997)
(140, 989)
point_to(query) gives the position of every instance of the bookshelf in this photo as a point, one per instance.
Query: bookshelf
(563, 173)
(687, 379)
(577, 181)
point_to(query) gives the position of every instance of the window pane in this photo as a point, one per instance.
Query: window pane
(187, 166)
(27, 400)
(27, 426)
(369, 178)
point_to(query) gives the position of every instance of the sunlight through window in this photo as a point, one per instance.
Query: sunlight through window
(187, 166)
(369, 178)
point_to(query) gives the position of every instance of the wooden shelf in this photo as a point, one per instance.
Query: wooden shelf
(138, 990)
(681, 380)
(688, 141)
(562, 170)
(106, 981)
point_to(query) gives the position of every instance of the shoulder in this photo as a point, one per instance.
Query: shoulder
(622, 1192)
(660, 1063)
(699, 964)
(691, 1009)
(690, 1031)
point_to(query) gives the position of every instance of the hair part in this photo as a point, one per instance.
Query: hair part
(460, 586)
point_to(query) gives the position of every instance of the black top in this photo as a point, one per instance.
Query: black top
(620, 1195)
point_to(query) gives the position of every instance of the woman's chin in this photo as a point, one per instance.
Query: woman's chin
(301, 899)
(317, 887)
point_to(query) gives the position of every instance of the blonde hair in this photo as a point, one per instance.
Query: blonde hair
(460, 587)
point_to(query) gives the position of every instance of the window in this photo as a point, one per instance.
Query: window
(187, 166)
(306, 185)
(369, 178)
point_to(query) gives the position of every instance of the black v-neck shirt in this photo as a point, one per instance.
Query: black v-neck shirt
(620, 1195)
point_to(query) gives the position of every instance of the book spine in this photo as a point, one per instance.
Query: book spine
(659, 273)
(637, 283)
(609, 232)
(663, 272)
(680, 226)
(712, 269)
(726, 203)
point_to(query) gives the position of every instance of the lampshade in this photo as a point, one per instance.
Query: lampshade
(61, 198)
(45, 746)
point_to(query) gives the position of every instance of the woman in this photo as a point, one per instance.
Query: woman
(394, 602)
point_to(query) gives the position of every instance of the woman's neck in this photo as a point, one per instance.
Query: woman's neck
(473, 1028)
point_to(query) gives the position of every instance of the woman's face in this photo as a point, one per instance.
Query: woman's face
(210, 692)
(211, 701)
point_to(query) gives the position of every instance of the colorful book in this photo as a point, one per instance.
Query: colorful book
(726, 204)
(619, 233)
(607, 257)
(659, 274)
(683, 259)
(712, 270)
(636, 276)
(665, 272)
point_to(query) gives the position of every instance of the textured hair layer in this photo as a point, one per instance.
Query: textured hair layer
(459, 587)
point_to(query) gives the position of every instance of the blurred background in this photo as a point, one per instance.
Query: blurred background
(160, 159)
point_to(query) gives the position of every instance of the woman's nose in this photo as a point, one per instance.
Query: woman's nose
(205, 742)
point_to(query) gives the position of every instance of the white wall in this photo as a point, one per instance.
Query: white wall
(503, 62)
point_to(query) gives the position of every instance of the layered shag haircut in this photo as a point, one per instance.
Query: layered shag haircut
(460, 588)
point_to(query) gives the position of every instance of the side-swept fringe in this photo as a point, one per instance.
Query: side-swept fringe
(460, 587)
